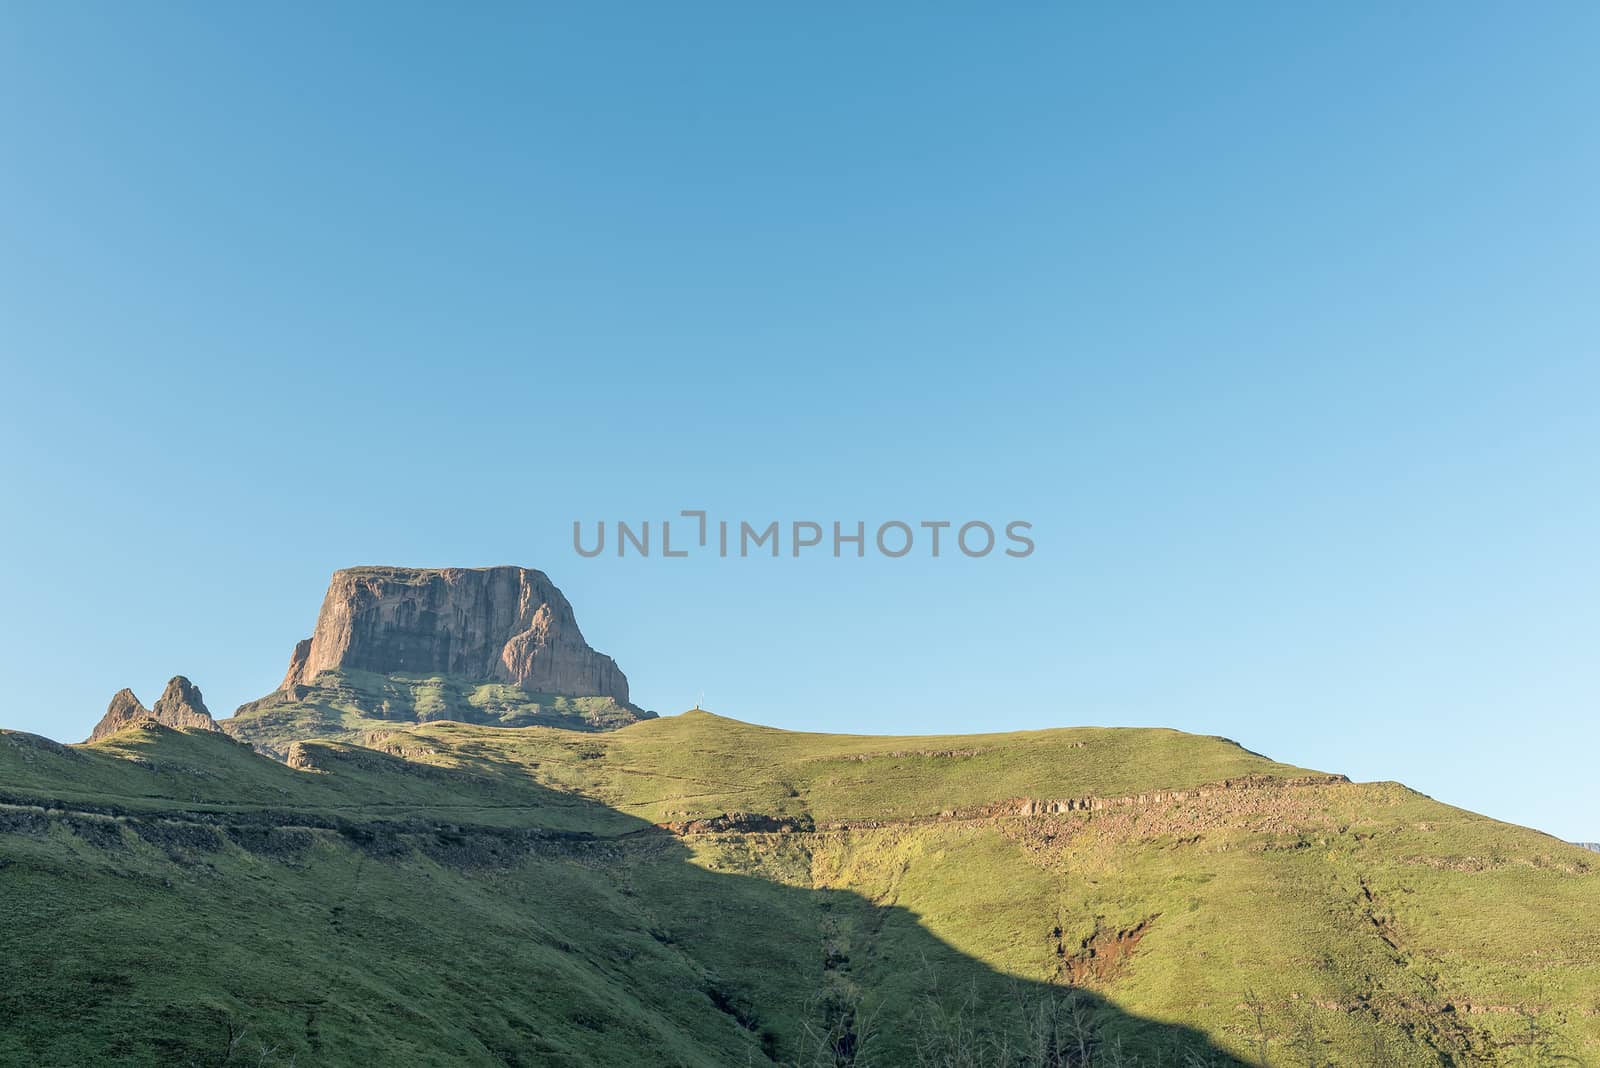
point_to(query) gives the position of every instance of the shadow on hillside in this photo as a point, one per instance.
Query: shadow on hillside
(830, 977)
(542, 947)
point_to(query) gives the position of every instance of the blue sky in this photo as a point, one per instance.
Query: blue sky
(1278, 323)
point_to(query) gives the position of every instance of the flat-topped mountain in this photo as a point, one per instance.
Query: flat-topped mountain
(496, 645)
(180, 705)
(499, 624)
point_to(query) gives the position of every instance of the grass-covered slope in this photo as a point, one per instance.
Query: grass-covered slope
(348, 705)
(467, 895)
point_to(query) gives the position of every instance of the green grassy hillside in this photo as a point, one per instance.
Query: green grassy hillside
(699, 891)
(347, 705)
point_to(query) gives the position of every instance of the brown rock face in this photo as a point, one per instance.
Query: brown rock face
(499, 624)
(123, 710)
(297, 663)
(180, 706)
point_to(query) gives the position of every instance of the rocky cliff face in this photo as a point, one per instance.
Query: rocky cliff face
(497, 624)
(180, 706)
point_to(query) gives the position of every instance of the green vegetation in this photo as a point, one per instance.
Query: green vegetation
(458, 894)
(352, 706)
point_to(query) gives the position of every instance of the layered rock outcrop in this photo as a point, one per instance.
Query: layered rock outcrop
(180, 705)
(497, 624)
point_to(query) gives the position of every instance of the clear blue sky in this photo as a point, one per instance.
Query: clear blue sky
(1278, 322)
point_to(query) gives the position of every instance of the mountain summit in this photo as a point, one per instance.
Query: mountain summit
(498, 646)
(500, 624)
(180, 706)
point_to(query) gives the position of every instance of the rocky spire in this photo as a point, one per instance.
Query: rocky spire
(180, 706)
(123, 710)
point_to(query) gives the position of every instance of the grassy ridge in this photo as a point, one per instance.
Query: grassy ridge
(700, 765)
(468, 895)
